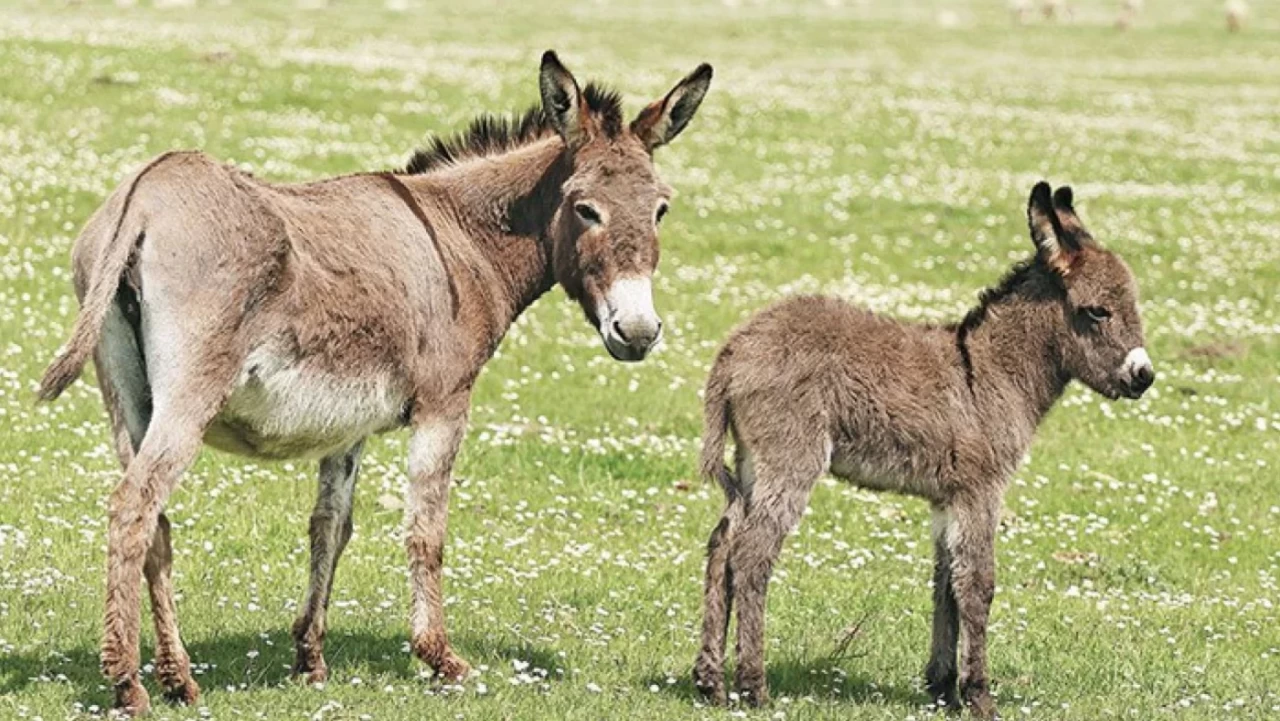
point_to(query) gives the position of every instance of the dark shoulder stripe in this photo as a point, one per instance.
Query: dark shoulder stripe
(406, 195)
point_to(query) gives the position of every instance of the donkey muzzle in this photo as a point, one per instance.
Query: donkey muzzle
(630, 326)
(1137, 373)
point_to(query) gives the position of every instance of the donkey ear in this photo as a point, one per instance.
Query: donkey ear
(561, 99)
(1056, 246)
(1071, 223)
(661, 121)
(1063, 197)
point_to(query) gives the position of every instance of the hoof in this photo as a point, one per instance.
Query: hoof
(754, 696)
(452, 669)
(132, 700)
(981, 705)
(185, 693)
(710, 685)
(943, 695)
(446, 666)
(312, 672)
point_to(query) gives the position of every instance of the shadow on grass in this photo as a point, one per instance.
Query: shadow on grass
(256, 661)
(820, 678)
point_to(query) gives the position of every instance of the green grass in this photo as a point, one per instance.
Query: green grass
(881, 151)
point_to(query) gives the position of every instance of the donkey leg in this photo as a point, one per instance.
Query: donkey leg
(940, 674)
(133, 519)
(330, 530)
(432, 450)
(173, 665)
(717, 603)
(122, 380)
(126, 395)
(777, 501)
(188, 362)
(971, 538)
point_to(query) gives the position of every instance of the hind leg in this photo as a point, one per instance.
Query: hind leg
(708, 669)
(134, 511)
(122, 377)
(127, 398)
(190, 361)
(717, 603)
(781, 490)
(173, 665)
(331, 528)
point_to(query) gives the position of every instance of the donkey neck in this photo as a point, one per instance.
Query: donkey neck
(504, 205)
(1011, 356)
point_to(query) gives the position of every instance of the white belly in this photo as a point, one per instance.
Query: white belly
(282, 409)
(865, 473)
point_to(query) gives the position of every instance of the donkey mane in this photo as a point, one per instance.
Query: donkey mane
(1020, 274)
(494, 134)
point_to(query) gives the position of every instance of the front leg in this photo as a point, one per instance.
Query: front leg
(971, 539)
(432, 450)
(331, 528)
(940, 674)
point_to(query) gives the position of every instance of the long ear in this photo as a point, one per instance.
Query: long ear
(1056, 245)
(562, 100)
(1063, 199)
(661, 121)
(1071, 223)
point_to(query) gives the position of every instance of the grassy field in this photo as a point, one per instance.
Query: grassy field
(881, 151)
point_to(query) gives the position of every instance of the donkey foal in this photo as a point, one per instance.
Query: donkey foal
(813, 384)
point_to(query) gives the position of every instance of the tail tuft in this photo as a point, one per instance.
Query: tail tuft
(64, 371)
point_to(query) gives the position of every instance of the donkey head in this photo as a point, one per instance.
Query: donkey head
(605, 232)
(1104, 341)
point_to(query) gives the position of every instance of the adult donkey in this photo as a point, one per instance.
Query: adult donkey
(944, 413)
(282, 321)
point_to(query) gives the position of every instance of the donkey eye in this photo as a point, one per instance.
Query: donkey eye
(662, 213)
(588, 214)
(1096, 313)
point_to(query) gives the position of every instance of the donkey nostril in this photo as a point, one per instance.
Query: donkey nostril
(1144, 377)
(617, 330)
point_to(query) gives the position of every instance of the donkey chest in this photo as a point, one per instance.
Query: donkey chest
(280, 409)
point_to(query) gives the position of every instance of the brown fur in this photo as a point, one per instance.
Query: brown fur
(814, 384)
(294, 320)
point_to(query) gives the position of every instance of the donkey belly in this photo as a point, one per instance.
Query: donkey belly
(280, 411)
(882, 474)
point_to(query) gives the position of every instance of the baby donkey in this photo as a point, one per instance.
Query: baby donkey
(814, 384)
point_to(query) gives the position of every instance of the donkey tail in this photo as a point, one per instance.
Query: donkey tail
(715, 425)
(103, 279)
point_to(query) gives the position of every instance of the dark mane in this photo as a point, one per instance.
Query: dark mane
(1020, 273)
(493, 134)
